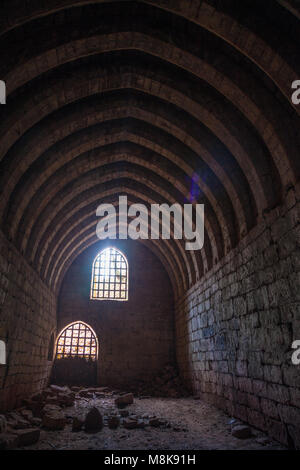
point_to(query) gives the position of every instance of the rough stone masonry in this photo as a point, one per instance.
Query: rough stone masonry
(164, 102)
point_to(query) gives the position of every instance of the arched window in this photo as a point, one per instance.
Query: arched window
(110, 276)
(77, 340)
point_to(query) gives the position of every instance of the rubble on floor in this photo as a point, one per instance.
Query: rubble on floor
(48, 410)
(77, 424)
(241, 431)
(166, 384)
(8, 441)
(93, 421)
(113, 422)
(124, 400)
(3, 424)
(53, 418)
(27, 437)
(94, 410)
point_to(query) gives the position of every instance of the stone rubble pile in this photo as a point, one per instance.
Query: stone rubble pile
(167, 384)
(21, 427)
(48, 410)
(239, 429)
(124, 399)
(81, 409)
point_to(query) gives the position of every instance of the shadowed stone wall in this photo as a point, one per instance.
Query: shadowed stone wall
(27, 318)
(136, 337)
(236, 326)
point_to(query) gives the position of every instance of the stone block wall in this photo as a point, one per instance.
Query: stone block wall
(27, 318)
(136, 337)
(235, 328)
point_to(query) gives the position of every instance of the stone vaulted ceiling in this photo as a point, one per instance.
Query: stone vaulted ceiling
(143, 98)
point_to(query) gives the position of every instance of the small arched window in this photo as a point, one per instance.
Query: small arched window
(110, 276)
(77, 340)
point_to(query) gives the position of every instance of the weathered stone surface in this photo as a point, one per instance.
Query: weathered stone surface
(86, 393)
(36, 421)
(93, 421)
(27, 414)
(21, 424)
(49, 408)
(16, 421)
(130, 423)
(77, 424)
(52, 400)
(155, 422)
(124, 400)
(8, 441)
(241, 431)
(37, 397)
(27, 437)
(236, 300)
(113, 422)
(58, 389)
(54, 420)
(35, 406)
(66, 399)
(3, 424)
(156, 321)
(166, 384)
(250, 373)
(264, 441)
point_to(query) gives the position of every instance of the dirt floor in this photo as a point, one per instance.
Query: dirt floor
(192, 425)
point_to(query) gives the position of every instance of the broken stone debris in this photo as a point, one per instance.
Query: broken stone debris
(46, 409)
(8, 441)
(124, 400)
(77, 424)
(3, 424)
(166, 384)
(113, 422)
(54, 420)
(27, 437)
(241, 431)
(93, 421)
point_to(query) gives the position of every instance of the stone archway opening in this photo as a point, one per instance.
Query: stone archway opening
(76, 354)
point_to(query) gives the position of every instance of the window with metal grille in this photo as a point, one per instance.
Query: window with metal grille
(110, 276)
(77, 340)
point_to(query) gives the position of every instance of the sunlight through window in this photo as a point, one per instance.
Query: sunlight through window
(110, 276)
(77, 340)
